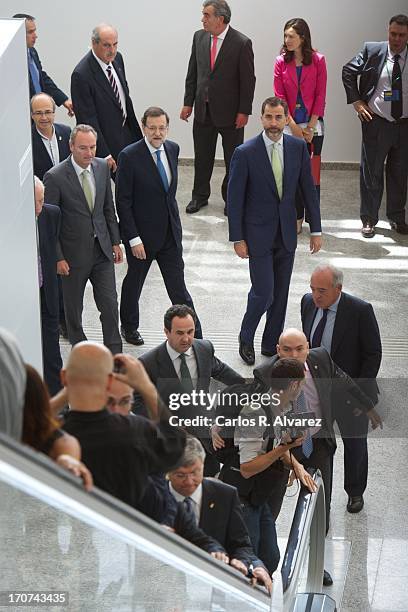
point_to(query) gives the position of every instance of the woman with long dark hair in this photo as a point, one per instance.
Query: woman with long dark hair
(300, 78)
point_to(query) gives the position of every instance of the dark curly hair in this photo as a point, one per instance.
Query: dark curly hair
(302, 29)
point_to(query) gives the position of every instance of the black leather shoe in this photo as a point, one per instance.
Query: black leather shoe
(400, 228)
(63, 332)
(355, 504)
(132, 336)
(194, 206)
(327, 579)
(267, 353)
(246, 352)
(368, 231)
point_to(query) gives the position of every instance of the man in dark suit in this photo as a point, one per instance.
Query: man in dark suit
(48, 225)
(50, 140)
(216, 509)
(376, 84)
(220, 83)
(100, 95)
(39, 79)
(266, 172)
(347, 328)
(89, 238)
(149, 219)
(183, 365)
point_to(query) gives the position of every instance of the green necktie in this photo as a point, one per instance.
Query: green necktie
(277, 169)
(86, 186)
(186, 379)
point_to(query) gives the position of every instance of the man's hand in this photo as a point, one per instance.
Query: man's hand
(238, 565)
(186, 112)
(299, 473)
(241, 249)
(221, 556)
(261, 576)
(138, 251)
(375, 419)
(216, 439)
(77, 468)
(117, 254)
(315, 244)
(63, 267)
(133, 372)
(363, 111)
(70, 108)
(111, 163)
(240, 121)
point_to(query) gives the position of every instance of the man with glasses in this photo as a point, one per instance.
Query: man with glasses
(146, 186)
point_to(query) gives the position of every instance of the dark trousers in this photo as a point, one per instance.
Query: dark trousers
(270, 279)
(262, 531)
(383, 141)
(315, 151)
(52, 362)
(100, 272)
(171, 264)
(205, 142)
(354, 431)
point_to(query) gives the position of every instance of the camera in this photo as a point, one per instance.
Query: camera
(296, 424)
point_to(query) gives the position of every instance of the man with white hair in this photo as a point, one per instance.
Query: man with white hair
(347, 328)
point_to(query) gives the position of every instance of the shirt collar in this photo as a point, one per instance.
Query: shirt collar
(153, 149)
(44, 137)
(78, 168)
(268, 142)
(196, 496)
(402, 55)
(101, 63)
(223, 34)
(174, 354)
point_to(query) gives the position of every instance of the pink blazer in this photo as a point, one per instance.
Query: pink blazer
(312, 84)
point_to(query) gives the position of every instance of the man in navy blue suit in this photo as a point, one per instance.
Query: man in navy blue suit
(48, 223)
(265, 173)
(39, 79)
(146, 186)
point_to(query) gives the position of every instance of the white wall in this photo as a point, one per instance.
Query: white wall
(156, 44)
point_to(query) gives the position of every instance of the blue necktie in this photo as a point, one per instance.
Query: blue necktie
(162, 171)
(300, 405)
(188, 504)
(318, 332)
(35, 75)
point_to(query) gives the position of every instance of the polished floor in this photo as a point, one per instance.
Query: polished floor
(368, 552)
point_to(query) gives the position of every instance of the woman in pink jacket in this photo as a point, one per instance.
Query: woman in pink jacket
(300, 78)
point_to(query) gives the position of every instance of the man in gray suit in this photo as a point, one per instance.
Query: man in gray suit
(89, 238)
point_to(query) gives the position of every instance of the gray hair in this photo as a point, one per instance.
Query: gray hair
(221, 9)
(96, 32)
(42, 94)
(82, 127)
(336, 273)
(193, 451)
(12, 386)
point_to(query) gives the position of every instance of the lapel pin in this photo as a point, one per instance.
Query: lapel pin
(212, 505)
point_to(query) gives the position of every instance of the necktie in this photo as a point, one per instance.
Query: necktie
(213, 52)
(318, 333)
(35, 75)
(114, 86)
(277, 169)
(162, 171)
(300, 405)
(186, 379)
(87, 189)
(396, 105)
(189, 507)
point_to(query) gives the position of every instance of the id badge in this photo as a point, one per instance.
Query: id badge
(392, 95)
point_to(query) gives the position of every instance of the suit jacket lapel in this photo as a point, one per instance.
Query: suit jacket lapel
(310, 315)
(287, 165)
(74, 182)
(172, 164)
(207, 504)
(101, 79)
(291, 68)
(226, 44)
(340, 324)
(153, 166)
(264, 163)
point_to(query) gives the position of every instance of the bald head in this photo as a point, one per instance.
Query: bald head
(105, 42)
(293, 344)
(89, 364)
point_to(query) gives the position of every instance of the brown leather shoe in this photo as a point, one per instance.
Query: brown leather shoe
(400, 228)
(367, 231)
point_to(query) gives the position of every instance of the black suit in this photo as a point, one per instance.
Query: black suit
(356, 349)
(41, 158)
(146, 210)
(218, 95)
(382, 139)
(95, 104)
(328, 379)
(46, 83)
(49, 222)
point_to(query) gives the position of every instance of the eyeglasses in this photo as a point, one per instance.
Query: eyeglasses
(124, 402)
(47, 113)
(184, 475)
(162, 129)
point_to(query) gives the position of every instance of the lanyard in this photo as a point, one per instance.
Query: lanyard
(402, 71)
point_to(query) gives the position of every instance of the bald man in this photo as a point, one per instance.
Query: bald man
(121, 451)
(100, 95)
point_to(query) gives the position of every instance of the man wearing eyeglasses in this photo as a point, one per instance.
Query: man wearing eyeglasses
(146, 185)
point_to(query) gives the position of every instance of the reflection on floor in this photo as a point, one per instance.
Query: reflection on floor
(375, 270)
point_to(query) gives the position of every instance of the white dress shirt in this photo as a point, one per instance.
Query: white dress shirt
(377, 103)
(51, 145)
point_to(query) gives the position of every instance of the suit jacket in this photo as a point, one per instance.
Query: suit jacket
(144, 207)
(356, 342)
(361, 74)
(254, 209)
(229, 87)
(47, 84)
(79, 227)
(41, 159)
(331, 385)
(96, 104)
(312, 84)
(49, 223)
